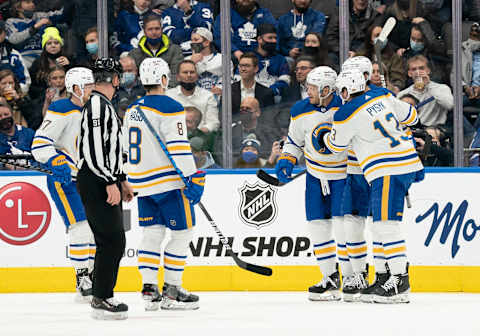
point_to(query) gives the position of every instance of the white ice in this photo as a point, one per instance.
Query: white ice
(247, 314)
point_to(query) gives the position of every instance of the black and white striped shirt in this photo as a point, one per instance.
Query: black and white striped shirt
(100, 142)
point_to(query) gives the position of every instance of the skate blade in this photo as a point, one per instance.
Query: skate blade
(351, 297)
(329, 296)
(367, 298)
(100, 314)
(399, 298)
(168, 304)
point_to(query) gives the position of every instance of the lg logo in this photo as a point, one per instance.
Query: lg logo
(25, 213)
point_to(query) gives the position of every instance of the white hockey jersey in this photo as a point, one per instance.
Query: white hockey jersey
(58, 133)
(149, 170)
(209, 71)
(371, 123)
(302, 139)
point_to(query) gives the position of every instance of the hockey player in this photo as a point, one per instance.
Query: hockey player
(54, 145)
(181, 19)
(389, 163)
(325, 178)
(163, 201)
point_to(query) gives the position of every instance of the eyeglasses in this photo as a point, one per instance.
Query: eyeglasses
(303, 68)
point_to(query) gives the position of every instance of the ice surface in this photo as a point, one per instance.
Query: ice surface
(247, 314)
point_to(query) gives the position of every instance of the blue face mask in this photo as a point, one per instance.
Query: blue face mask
(416, 46)
(249, 157)
(92, 48)
(154, 41)
(127, 78)
(382, 44)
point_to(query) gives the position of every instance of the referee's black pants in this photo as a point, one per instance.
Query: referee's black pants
(107, 226)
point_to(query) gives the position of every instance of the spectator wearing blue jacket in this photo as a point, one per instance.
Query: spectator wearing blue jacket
(11, 59)
(26, 27)
(128, 27)
(246, 16)
(14, 139)
(181, 19)
(295, 25)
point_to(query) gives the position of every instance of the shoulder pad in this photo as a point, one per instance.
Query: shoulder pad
(301, 107)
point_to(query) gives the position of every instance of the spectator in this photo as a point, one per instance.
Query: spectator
(246, 17)
(130, 87)
(24, 112)
(433, 147)
(51, 56)
(399, 38)
(362, 16)
(394, 64)
(128, 24)
(248, 86)
(376, 78)
(316, 47)
(157, 44)
(275, 154)
(56, 87)
(26, 27)
(249, 154)
(252, 122)
(423, 42)
(298, 88)
(273, 69)
(471, 68)
(208, 62)
(158, 6)
(189, 94)
(12, 60)
(435, 100)
(91, 45)
(295, 25)
(193, 118)
(181, 19)
(203, 158)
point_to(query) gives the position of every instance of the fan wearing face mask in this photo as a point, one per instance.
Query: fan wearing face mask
(249, 154)
(471, 67)
(130, 88)
(14, 139)
(26, 27)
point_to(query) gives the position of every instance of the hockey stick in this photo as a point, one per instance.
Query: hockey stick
(13, 161)
(386, 30)
(242, 264)
(266, 177)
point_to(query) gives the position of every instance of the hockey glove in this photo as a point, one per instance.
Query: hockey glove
(60, 170)
(195, 185)
(284, 167)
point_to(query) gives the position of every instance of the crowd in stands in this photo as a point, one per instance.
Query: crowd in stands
(274, 45)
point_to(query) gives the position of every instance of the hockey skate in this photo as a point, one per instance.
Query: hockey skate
(84, 286)
(353, 285)
(108, 309)
(394, 290)
(367, 294)
(178, 298)
(326, 290)
(151, 296)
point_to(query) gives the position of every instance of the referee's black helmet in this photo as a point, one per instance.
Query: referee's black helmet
(105, 68)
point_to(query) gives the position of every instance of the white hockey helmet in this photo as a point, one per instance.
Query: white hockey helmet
(361, 63)
(352, 80)
(152, 70)
(322, 77)
(78, 76)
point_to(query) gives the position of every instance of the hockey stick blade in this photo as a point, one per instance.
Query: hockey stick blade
(266, 177)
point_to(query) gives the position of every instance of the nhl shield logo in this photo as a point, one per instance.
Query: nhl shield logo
(258, 205)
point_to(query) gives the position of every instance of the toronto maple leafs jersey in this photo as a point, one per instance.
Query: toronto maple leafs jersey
(243, 31)
(302, 139)
(179, 26)
(11, 59)
(58, 133)
(18, 143)
(273, 71)
(149, 170)
(371, 123)
(209, 71)
(292, 28)
(128, 29)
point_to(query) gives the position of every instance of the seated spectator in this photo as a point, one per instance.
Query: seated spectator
(56, 87)
(128, 24)
(180, 20)
(156, 44)
(24, 112)
(376, 78)
(433, 147)
(275, 154)
(317, 47)
(250, 154)
(248, 85)
(91, 45)
(208, 62)
(362, 16)
(471, 68)
(203, 158)
(246, 16)
(26, 27)
(158, 6)
(423, 42)
(298, 88)
(295, 25)
(12, 60)
(189, 94)
(193, 118)
(130, 87)
(435, 100)
(52, 55)
(14, 138)
(399, 38)
(273, 69)
(395, 65)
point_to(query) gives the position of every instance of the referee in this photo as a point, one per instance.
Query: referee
(102, 186)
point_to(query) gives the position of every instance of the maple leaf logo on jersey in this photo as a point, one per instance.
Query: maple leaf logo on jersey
(299, 30)
(248, 33)
(258, 205)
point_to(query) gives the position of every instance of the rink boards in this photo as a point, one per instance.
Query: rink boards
(266, 226)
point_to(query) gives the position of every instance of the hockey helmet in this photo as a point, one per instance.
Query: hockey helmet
(322, 77)
(79, 76)
(104, 69)
(351, 80)
(361, 63)
(152, 70)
